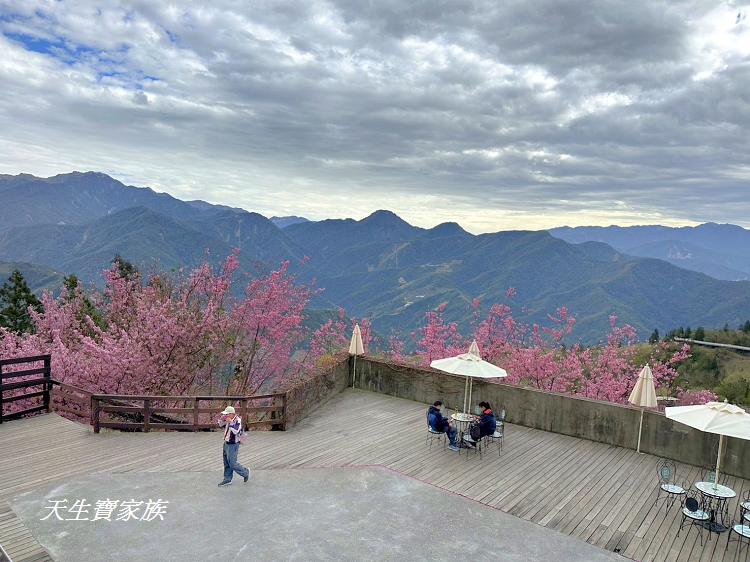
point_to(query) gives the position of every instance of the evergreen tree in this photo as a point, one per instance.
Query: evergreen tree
(15, 300)
(680, 333)
(126, 269)
(72, 292)
(746, 327)
(688, 332)
(654, 336)
(700, 333)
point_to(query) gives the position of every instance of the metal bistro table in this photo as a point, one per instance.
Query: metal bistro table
(462, 422)
(715, 498)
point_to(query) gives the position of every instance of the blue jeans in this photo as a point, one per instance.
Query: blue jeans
(230, 462)
(451, 432)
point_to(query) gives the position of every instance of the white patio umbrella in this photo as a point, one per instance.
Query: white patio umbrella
(643, 395)
(714, 417)
(356, 348)
(470, 365)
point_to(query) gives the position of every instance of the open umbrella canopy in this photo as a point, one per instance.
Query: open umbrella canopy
(644, 391)
(714, 417)
(469, 365)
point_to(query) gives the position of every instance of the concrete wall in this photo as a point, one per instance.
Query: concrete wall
(306, 396)
(613, 424)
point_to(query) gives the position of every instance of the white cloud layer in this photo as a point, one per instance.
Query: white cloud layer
(499, 115)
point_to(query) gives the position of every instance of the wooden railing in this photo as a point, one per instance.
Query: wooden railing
(127, 412)
(41, 377)
(71, 400)
(186, 413)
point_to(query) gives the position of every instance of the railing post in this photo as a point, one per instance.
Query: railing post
(196, 400)
(1, 394)
(47, 383)
(283, 411)
(243, 412)
(95, 413)
(146, 415)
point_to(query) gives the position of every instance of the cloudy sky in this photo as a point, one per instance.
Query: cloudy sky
(498, 115)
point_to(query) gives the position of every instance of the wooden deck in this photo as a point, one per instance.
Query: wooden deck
(600, 494)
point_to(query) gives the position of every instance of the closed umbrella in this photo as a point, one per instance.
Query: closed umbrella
(470, 365)
(714, 417)
(643, 395)
(356, 348)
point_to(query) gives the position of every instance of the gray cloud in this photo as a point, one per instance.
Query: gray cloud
(499, 115)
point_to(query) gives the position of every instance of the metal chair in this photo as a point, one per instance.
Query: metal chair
(477, 445)
(432, 435)
(668, 489)
(693, 514)
(742, 531)
(498, 437)
(744, 506)
(709, 474)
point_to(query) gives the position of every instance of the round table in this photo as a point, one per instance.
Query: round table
(715, 497)
(462, 422)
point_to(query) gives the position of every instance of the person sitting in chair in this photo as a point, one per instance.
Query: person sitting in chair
(487, 424)
(440, 424)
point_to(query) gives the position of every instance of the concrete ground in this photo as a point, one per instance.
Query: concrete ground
(290, 514)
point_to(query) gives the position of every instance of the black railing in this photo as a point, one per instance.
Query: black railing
(38, 377)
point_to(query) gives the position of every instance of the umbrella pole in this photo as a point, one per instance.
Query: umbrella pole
(718, 460)
(471, 385)
(640, 427)
(354, 377)
(466, 391)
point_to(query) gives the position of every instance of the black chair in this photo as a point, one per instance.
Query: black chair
(710, 474)
(694, 515)
(470, 445)
(744, 506)
(740, 533)
(433, 435)
(499, 436)
(668, 489)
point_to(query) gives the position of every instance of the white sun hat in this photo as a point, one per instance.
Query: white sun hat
(228, 410)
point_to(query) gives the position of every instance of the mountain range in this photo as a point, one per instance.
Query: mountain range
(381, 266)
(719, 250)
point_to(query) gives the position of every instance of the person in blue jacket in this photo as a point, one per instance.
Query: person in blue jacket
(487, 423)
(438, 422)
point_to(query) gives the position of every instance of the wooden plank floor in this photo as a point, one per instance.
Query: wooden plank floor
(598, 493)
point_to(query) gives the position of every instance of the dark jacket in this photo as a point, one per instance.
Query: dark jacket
(487, 423)
(436, 420)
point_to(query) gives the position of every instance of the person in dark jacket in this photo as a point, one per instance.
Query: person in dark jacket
(487, 423)
(439, 423)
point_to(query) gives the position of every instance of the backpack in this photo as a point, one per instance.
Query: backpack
(475, 431)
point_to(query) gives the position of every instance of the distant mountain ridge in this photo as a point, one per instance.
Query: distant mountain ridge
(283, 222)
(379, 266)
(719, 250)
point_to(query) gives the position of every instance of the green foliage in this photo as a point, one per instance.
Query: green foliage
(700, 334)
(71, 284)
(15, 300)
(654, 337)
(125, 269)
(735, 388)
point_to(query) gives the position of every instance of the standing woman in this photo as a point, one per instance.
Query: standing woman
(232, 424)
